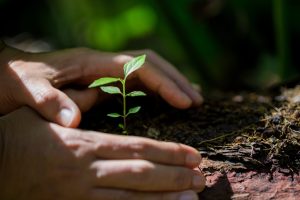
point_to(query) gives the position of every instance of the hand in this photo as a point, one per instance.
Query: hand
(35, 80)
(43, 160)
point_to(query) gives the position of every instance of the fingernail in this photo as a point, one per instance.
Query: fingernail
(65, 116)
(188, 196)
(198, 182)
(193, 160)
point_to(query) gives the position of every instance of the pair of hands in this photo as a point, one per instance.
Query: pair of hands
(35, 80)
(50, 159)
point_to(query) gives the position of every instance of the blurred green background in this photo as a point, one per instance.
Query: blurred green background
(225, 44)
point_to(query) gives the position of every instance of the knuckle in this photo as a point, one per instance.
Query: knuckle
(43, 96)
(138, 144)
(142, 167)
(138, 148)
(80, 147)
(122, 59)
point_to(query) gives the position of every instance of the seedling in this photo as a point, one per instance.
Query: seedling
(128, 68)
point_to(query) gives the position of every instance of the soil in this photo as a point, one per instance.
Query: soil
(250, 142)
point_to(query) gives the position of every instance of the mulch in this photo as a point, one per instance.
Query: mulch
(250, 142)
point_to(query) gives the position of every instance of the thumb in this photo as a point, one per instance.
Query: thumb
(84, 99)
(53, 105)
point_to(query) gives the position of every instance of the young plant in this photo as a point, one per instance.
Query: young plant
(128, 68)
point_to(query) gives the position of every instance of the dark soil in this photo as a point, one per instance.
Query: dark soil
(250, 142)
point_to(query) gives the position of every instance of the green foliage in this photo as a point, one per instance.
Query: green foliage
(111, 90)
(103, 81)
(136, 94)
(134, 110)
(129, 68)
(133, 65)
(114, 115)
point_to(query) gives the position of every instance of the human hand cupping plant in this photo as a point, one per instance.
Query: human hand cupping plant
(42, 160)
(129, 68)
(35, 80)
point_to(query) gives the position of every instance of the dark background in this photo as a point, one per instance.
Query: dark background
(224, 44)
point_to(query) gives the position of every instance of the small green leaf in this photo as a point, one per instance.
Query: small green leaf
(114, 115)
(136, 94)
(134, 65)
(111, 89)
(134, 110)
(121, 126)
(103, 81)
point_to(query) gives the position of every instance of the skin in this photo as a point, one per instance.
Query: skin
(38, 78)
(44, 156)
(54, 162)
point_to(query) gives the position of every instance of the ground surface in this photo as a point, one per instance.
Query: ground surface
(250, 142)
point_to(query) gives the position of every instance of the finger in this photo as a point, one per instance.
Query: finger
(101, 64)
(113, 194)
(97, 65)
(180, 80)
(51, 103)
(109, 146)
(84, 99)
(172, 73)
(165, 87)
(141, 175)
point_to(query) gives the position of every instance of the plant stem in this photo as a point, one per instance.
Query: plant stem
(124, 105)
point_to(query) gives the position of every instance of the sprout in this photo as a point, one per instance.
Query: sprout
(129, 67)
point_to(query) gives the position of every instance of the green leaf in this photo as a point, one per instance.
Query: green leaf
(103, 81)
(136, 94)
(134, 65)
(111, 89)
(121, 126)
(134, 110)
(114, 115)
